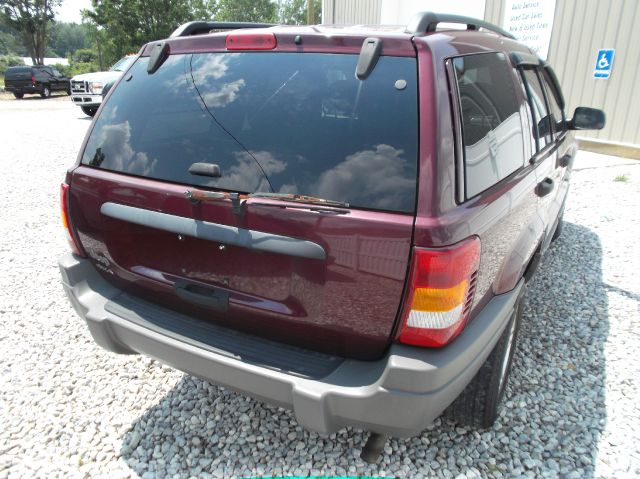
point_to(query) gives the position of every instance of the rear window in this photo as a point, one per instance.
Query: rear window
(18, 71)
(281, 122)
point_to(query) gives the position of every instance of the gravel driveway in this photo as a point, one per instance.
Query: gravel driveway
(70, 409)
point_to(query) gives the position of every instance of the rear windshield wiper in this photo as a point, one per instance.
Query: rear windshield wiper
(313, 200)
(238, 200)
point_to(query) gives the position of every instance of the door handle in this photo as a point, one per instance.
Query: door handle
(214, 298)
(565, 160)
(544, 187)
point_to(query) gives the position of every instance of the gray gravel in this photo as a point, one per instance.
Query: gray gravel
(70, 409)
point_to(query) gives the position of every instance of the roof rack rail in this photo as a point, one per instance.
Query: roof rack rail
(202, 27)
(426, 22)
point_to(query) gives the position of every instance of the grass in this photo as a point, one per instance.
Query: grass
(621, 178)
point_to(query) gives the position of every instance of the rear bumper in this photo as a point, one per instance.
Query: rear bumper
(22, 89)
(86, 99)
(399, 394)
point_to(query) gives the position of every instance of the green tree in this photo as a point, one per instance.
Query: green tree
(30, 18)
(10, 42)
(294, 12)
(128, 24)
(65, 38)
(9, 61)
(84, 55)
(246, 11)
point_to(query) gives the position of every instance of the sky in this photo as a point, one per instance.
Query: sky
(69, 11)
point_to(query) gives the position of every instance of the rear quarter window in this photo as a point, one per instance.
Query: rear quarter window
(491, 121)
(281, 122)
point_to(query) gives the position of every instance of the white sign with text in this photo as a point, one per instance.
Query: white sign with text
(531, 21)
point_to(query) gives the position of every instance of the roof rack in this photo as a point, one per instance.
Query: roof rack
(203, 27)
(427, 22)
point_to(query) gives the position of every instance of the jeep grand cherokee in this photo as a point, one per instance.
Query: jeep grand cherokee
(337, 220)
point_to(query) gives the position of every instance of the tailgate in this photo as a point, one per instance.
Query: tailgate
(18, 79)
(329, 279)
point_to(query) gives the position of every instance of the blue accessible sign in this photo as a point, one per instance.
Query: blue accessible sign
(604, 62)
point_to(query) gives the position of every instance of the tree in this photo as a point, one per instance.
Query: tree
(246, 11)
(294, 12)
(10, 42)
(30, 18)
(9, 61)
(128, 24)
(66, 38)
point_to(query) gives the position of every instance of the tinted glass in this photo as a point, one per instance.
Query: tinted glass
(18, 72)
(541, 118)
(491, 126)
(122, 64)
(556, 111)
(282, 122)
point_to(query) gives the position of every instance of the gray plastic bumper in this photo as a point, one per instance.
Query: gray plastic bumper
(399, 394)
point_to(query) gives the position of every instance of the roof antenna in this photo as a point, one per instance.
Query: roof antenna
(369, 54)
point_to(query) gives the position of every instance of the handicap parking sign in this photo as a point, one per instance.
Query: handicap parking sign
(604, 62)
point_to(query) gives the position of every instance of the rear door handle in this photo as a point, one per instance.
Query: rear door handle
(213, 298)
(565, 160)
(544, 187)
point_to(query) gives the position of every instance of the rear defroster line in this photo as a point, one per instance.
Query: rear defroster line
(224, 129)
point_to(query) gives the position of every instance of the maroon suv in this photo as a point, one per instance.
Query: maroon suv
(340, 221)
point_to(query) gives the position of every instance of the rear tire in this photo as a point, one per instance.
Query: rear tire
(46, 91)
(478, 405)
(89, 110)
(18, 95)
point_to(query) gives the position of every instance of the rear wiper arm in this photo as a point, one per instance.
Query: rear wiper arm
(313, 200)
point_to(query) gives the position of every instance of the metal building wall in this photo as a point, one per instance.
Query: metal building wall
(580, 28)
(351, 11)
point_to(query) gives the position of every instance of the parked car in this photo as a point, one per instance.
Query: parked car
(340, 221)
(87, 90)
(38, 79)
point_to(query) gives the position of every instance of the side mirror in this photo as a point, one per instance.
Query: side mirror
(585, 118)
(544, 127)
(106, 88)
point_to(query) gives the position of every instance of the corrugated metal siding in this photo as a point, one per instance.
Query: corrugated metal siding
(341, 12)
(493, 11)
(580, 29)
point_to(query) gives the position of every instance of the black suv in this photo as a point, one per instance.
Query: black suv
(38, 79)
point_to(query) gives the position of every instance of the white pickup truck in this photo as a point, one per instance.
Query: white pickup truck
(87, 89)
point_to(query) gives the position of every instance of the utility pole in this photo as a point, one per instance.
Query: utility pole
(311, 19)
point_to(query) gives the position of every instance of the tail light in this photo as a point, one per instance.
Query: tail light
(440, 292)
(33, 79)
(251, 41)
(64, 211)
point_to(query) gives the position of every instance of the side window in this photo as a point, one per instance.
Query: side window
(556, 112)
(490, 116)
(56, 72)
(542, 129)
